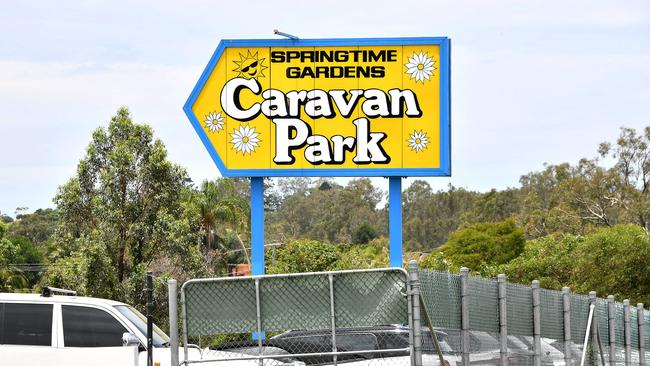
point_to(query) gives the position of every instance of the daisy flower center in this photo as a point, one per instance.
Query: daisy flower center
(417, 141)
(420, 66)
(245, 139)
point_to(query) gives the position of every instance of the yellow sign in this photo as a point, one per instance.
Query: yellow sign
(350, 107)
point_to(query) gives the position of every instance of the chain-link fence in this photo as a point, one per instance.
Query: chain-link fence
(389, 316)
(492, 322)
(359, 317)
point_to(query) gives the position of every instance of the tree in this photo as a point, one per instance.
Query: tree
(38, 226)
(494, 206)
(364, 234)
(430, 216)
(549, 259)
(481, 246)
(614, 261)
(328, 212)
(11, 278)
(124, 204)
(305, 256)
(221, 208)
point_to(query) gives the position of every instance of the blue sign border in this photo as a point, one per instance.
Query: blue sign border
(445, 109)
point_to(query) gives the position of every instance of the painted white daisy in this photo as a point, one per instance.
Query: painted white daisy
(418, 141)
(214, 122)
(420, 67)
(244, 139)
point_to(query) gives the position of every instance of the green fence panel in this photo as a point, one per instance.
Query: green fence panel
(579, 317)
(228, 307)
(634, 327)
(603, 323)
(441, 294)
(620, 325)
(295, 303)
(519, 302)
(552, 314)
(484, 304)
(370, 298)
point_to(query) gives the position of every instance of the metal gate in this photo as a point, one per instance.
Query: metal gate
(361, 317)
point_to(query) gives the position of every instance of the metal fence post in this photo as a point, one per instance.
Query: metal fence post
(594, 326)
(258, 307)
(566, 309)
(184, 321)
(149, 318)
(641, 323)
(415, 303)
(173, 321)
(464, 314)
(537, 324)
(332, 315)
(611, 322)
(503, 319)
(627, 332)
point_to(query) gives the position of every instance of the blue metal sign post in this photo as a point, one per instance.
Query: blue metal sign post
(395, 220)
(257, 225)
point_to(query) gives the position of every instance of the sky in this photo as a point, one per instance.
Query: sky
(533, 82)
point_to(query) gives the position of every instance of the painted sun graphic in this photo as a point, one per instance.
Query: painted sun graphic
(418, 141)
(244, 139)
(250, 66)
(214, 121)
(420, 67)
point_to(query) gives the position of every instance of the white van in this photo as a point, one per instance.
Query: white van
(69, 330)
(73, 330)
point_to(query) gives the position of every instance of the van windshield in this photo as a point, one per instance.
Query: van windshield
(160, 339)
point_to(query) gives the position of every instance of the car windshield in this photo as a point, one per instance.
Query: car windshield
(160, 339)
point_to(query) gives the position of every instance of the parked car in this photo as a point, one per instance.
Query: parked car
(368, 338)
(74, 330)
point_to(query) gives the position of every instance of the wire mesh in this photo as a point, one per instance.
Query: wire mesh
(620, 325)
(603, 324)
(552, 314)
(579, 317)
(295, 303)
(296, 313)
(209, 312)
(441, 294)
(634, 329)
(519, 309)
(646, 334)
(371, 315)
(370, 298)
(484, 304)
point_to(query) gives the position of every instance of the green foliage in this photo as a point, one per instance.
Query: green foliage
(315, 256)
(5, 219)
(38, 226)
(123, 210)
(327, 212)
(372, 255)
(430, 216)
(88, 271)
(364, 234)
(305, 256)
(482, 245)
(614, 261)
(549, 259)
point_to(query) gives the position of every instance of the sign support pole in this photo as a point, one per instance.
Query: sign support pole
(395, 220)
(257, 225)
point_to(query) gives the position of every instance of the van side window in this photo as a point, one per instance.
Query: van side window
(26, 324)
(90, 327)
